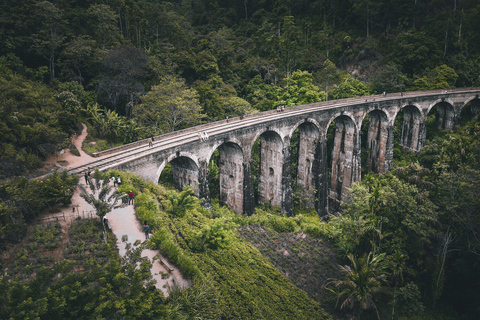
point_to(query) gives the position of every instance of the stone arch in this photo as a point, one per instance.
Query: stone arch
(337, 115)
(299, 123)
(376, 140)
(185, 170)
(219, 143)
(270, 168)
(445, 115)
(265, 130)
(474, 106)
(413, 127)
(470, 99)
(345, 158)
(433, 104)
(389, 118)
(231, 176)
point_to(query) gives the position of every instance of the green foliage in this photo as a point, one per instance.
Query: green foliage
(402, 216)
(455, 150)
(214, 236)
(260, 94)
(409, 301)
(169, 106)
(178, 203)
(243, 283)
(299, 89)
(329, 76)
(103, 287)
(198, 301)
(350, 87)
(47, 235)
(101, 194)
(441, 77)
(362, 282)
(109, 126)
(415, 50)
(33, 124)
(388, 79)
(22, 201)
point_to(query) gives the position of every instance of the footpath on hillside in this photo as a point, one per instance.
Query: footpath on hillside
(122, 221)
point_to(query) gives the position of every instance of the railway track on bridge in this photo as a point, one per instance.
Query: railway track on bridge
(168, 141)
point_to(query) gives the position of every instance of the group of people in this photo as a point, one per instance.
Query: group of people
(280, 108)
(116, 181)
(203, 136)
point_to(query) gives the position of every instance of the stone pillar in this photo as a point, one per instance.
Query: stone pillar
(345, 159)
(320, 177)
(287, 195)
(203, 189)
(248, 192)
(230, 167)
(305, 184)
(422, 135)
(271, 165)
(377, 137)
(356, 160)
(446, 116)
(411, 128)
(389, 149)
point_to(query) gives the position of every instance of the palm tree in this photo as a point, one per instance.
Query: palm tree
(101, 196)
(362, 282)
(178, 203)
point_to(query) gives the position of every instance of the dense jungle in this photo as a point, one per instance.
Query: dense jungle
(405, 245)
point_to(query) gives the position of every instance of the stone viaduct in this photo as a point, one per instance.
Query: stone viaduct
(323, 174)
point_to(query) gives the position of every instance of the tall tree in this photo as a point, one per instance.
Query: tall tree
(169, 106)
(364, 280)
(299, 89)
(121, 83)
(49, 39)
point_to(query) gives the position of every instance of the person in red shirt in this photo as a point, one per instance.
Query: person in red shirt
(131, 196)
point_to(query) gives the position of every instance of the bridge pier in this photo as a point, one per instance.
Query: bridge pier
(411, 129)
(345, 159)
(320, 177)
(389, 148)
(271, 168)
(287, 195)
(203, 188)
(377, 138)
(305, 179)
(230, 167)
(248, 192)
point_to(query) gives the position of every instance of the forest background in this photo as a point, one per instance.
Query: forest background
(132, 69)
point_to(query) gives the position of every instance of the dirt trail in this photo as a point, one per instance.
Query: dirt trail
(122, 221)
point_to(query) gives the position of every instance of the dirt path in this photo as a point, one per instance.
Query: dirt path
(122, 221)
(65, 159)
